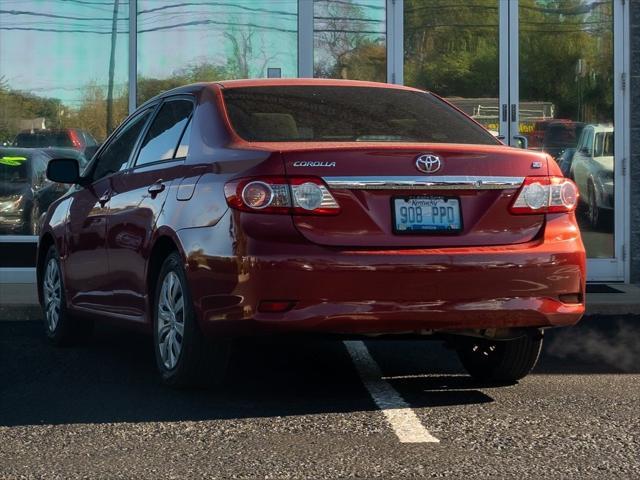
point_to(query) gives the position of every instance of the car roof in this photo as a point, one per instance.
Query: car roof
(601, 127)
(272, 82)
(296, 82)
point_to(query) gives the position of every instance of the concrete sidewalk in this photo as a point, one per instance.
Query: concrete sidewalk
(19, 301)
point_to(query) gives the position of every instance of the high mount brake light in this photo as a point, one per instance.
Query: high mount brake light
(287, 195)
(546, 195)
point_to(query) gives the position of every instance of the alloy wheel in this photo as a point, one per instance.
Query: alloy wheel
(170, 322)
(52, 294)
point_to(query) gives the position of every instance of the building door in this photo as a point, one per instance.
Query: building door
(542, 75)
(567, 97)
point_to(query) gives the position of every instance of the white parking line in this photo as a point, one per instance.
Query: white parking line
(406, 425)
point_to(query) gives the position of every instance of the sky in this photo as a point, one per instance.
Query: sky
(172, 35)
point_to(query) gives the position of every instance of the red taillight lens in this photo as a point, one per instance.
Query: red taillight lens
(291, 195)
(75, 140)
(546, 195)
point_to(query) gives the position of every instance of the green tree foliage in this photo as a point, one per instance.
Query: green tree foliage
(346, 43)
(565, 55)
(450, 47)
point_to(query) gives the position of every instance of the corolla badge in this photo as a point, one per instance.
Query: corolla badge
(314, 164)
(428, 163)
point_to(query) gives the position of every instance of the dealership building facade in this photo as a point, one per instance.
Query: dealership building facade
(560, 77)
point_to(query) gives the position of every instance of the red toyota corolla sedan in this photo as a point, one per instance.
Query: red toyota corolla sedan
(220, 210)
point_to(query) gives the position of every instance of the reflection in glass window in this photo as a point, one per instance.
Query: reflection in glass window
(186, 42)
(63, 65)
(350, 39)
(63, 84)
(566, 64)
(164, 133)
(451, 48)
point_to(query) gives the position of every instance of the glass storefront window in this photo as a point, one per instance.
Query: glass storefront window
(350, 40)
(451, 48)
(63, 84)
(181, 43)
(567, 104)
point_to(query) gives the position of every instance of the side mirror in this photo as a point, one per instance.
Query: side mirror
(63, 170)
(521, 141)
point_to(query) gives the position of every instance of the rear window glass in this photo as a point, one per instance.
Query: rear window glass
(43, 140)
(603, 144)
(347, 114)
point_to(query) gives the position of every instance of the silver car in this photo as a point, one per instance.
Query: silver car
(592, 171)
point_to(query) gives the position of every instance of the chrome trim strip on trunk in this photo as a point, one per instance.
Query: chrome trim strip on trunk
(434, 182)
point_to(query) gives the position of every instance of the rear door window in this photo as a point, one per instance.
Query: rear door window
(163, 136)
(183, 148)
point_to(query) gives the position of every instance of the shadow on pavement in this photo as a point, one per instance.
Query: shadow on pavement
(113, 378)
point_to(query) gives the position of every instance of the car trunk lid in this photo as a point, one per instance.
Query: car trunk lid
(366, 180)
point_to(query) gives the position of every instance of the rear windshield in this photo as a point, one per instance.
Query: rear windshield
(43, 140)
(347, 114)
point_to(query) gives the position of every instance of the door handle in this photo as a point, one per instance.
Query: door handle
(156, 188)
(106, 196)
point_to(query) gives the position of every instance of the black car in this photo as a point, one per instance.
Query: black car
(75, 138)
(564, 161)
(25, 192)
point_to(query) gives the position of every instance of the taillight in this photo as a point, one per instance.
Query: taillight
(289, 195)
(546, 195)
(75, 140)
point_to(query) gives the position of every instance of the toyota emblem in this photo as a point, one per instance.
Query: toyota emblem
(428, 163)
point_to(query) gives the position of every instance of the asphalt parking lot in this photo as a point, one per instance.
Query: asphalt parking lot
(298, 408)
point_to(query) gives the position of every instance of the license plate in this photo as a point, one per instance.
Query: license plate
(426, 214)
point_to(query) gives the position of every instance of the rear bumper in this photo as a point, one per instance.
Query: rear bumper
(536, 284)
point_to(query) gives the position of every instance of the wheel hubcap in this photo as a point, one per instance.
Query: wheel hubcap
(170, 323)
(52, 294)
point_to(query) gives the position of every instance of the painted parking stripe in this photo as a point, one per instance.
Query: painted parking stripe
(405, 423)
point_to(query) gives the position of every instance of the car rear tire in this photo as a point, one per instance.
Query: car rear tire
(61, 327)
(499, 360)
(593, 212)
(184, 357)
(34, 219)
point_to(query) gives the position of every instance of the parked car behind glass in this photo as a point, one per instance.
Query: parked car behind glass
(66, 138)
(221, 210)
(555, 135)
(564, 161)
(592, 170)
(25, 192)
